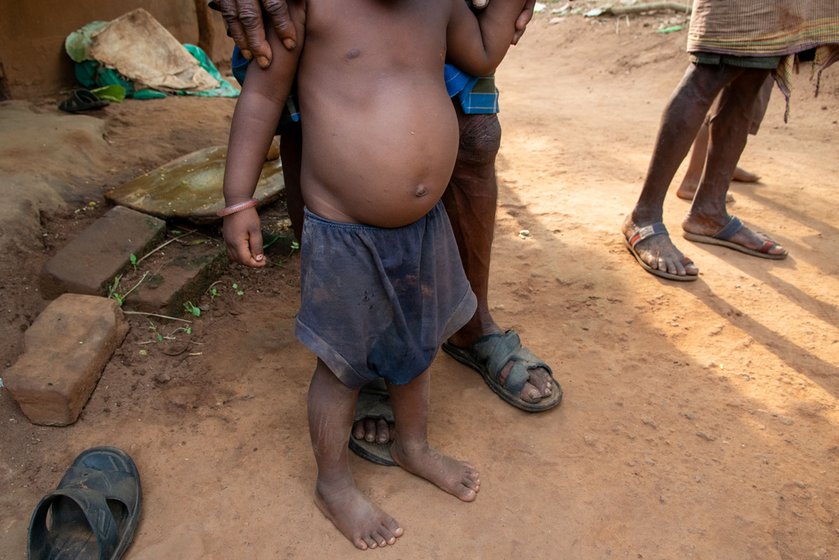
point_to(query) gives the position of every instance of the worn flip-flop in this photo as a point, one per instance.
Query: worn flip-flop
(373, 402)
(640, 234)
(94, 511)
(491, 353)
(723, 239)
(82, 100)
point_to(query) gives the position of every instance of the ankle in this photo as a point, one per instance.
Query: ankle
(332, 485)
(482, 324)
(410, 448)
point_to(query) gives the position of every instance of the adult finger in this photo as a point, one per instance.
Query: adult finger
(244, 24)
(280, 20)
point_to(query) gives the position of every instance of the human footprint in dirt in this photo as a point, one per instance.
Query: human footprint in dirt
(739, 71)
(515, 374)
(382, 284)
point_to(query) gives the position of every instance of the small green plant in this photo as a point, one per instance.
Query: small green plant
(213, 290)
(295, 246)
(191, 308)
(238, 290)
(113, 290)
(157, 335)
(133, 259)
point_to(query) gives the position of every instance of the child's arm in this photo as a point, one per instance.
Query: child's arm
(477, 44)
(255, 119)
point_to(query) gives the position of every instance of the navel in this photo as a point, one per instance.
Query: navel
(421, 191)
(353, 53)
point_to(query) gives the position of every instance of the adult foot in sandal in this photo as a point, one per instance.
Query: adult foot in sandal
(509, 369)
(372, 430)
(651, 246)
(733, 234)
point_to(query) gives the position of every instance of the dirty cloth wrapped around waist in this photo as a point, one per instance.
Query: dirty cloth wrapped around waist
(768, 28)
(762, 27)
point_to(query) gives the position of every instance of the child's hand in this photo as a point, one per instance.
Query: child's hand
(523, 19)
(243, 238)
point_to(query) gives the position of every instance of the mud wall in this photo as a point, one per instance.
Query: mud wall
(32, 58)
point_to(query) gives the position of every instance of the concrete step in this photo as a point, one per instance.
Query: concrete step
(88, 264)
(178, 273)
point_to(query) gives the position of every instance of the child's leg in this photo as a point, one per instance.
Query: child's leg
(410, 444)
(331, 407)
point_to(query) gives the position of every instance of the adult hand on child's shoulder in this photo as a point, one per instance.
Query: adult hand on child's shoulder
(243, 238)
(247, 28)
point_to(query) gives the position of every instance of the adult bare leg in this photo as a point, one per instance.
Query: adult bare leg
(695, 164)
(680, 123)
(729, 131)
(471, 200)
(331, 406)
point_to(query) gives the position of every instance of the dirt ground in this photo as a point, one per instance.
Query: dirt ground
(699, 420)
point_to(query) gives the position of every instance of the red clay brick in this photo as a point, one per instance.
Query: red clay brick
(66, 349)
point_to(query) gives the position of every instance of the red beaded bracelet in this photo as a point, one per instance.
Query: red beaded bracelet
(238, 207)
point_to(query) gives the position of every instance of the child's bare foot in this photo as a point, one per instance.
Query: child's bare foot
(458, 478)
(359, 519)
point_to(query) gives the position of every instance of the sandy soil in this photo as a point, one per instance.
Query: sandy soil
(699, 420)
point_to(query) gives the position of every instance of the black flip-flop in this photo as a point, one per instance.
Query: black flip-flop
(94, 511)
(373, 402)
(82, 100)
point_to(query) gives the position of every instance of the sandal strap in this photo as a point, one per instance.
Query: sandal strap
(96, 511)
(503, 349)
(113, 485)
(642, 233)
(730, 229)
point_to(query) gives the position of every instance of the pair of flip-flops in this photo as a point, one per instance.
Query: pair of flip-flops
(93, 513)
(721, 238)
(81, 100)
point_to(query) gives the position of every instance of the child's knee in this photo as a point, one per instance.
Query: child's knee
(480, 136)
